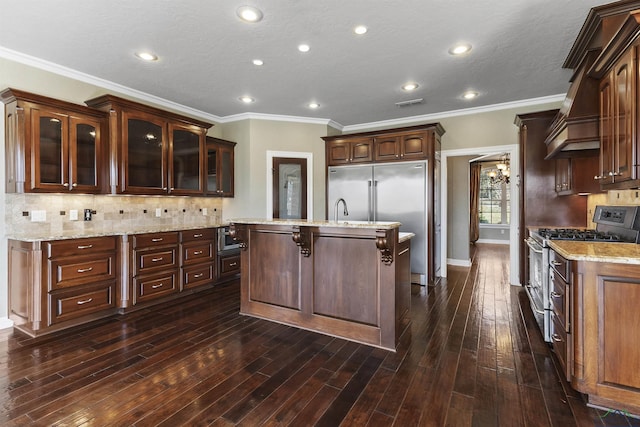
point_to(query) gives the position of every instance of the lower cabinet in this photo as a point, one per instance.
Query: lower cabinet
(58, 284)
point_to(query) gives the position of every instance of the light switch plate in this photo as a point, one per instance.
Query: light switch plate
(158, 212)
(73, 214)
(204, 211)
(38, 216)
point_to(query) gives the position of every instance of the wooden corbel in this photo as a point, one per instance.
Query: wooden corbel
(303, 240)
(238, 233)
(383, 240)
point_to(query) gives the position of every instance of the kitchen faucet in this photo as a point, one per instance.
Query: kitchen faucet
(346, 212)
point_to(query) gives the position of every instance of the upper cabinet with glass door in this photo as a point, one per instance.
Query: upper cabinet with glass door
(153, 151)
(220, 167)
(51, 145)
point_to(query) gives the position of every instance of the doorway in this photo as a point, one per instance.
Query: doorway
(289, 188)
(270, 179)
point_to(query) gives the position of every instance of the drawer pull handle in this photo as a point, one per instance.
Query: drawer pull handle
(197, 276)
(233, 264)
(555, 263)
(157, 286)
(85, 246)
(556, 338)
(157, 259)
(157, 239)
(84, 301)
(84, 270)
(198, 252)
(556, 295)
(196, 236)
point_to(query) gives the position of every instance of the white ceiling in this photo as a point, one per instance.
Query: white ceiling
(205, 51)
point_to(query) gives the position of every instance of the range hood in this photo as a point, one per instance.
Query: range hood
(575, 129)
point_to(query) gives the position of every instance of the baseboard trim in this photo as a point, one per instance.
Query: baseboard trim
(459, 262)
(493, 241)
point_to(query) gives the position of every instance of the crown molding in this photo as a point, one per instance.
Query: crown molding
(427, 118)
(280, 118)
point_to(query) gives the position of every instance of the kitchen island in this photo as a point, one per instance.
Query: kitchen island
(349, 279)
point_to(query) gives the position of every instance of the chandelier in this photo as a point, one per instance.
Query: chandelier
(501, 173)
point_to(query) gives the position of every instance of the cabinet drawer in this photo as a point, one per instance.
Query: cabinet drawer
(230, 265)
(559, 342)
(81, 270)
(155, 259)
(197, 275)
(199, 252)
(154, 239)
(62, 248)
(150, 287)
(197, 235)
(559, 298)
(81, 302)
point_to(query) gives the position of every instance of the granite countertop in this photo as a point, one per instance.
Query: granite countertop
(620, 253)
(381, 225)
(26, 237)
(402, 236)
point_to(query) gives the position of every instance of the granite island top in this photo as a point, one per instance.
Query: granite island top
(621, 253)
(380, 225)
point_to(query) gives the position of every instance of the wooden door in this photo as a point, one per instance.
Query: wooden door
(414, 147)
(50, 151)
(624, 123)
(186, 163)
(85, 154)
(606, 130)
(289, 188)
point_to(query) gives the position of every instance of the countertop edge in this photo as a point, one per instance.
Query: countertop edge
(381, 225)
(618, 253)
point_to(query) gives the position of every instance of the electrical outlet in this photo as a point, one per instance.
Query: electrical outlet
(158, 212)
(204, 211)
(38, 216)
(87, 214)
(73, 214)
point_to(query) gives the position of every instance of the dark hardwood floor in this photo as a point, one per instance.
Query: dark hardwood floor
(472, 356)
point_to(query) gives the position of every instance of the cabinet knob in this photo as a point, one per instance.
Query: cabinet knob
(74, 185)
(66, 184)
(598, 177)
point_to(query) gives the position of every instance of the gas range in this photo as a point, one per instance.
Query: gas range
(591, 235)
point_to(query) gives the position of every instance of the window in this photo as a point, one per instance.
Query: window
(495, 207)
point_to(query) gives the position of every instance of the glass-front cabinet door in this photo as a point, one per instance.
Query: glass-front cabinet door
(186, 159)
(220, 168)
(145, 154)
(49, 165)
(84, 154)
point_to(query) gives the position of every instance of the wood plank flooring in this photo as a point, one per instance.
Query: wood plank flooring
(472, 357)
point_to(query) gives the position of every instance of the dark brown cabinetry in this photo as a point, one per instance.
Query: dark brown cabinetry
(345, 150)
(153, 151)
(155, 262)
(409, 146)
(575, 175)
(51, 145)
(198, 258)
(618, 122)
(229, 265)
(58, 284)
(220, 167)
(559, 277)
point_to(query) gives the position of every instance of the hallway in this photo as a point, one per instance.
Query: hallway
(472, 357)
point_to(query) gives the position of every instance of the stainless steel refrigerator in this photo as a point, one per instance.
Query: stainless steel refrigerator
(385, 192)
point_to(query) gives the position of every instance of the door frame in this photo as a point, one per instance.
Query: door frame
(514, 230)
(269, 179)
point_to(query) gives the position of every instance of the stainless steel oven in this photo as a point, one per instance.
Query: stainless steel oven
(538, 283)
(225, 241)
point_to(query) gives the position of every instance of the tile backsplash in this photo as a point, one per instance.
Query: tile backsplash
(115, 214)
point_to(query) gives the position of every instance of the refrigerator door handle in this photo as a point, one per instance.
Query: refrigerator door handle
(370, 201)
(374, 207)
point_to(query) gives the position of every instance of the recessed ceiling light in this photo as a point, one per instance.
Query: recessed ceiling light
(249, 14)
(360, 29)
(246, 99)
(410, 86)
(469, 94)
(147, 56)
(258, 62)
(314, 105)
(304, 48)
(459, 49)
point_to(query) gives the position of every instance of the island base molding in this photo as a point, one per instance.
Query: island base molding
(347, 282)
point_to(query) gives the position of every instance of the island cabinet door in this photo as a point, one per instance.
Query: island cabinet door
(274, 277)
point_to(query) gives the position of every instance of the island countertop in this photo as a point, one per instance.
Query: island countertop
(379, 225)
(620, 253)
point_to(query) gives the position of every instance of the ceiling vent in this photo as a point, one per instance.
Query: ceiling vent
(409, 102)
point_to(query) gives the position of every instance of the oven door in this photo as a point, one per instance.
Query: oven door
(536, 288)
